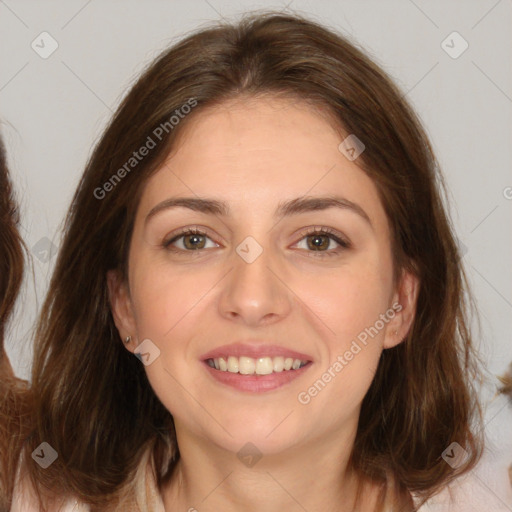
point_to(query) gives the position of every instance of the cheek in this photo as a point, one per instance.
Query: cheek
(164, 298)
(168, 310)
(349, 300)
(352, 304)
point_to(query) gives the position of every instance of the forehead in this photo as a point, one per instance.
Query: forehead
(257, 151)
(277, 126)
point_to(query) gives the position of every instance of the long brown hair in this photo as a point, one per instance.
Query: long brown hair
(95, 406)
(13, 394)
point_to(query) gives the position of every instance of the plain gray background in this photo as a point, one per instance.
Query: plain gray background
(53, 109)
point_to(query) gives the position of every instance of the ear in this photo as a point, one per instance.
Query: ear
(122, 309)
(404, 305)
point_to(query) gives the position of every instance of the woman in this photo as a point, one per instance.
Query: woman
(13, 393)
(262, 226)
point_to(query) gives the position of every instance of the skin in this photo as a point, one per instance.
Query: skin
(253, 154)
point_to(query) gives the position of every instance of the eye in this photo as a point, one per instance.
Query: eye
(191, 239)
(320, 240)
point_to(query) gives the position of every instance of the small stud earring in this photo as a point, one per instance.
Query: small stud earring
(396, 333)
(128, 339)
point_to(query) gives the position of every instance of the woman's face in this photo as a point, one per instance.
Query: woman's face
(255, 286)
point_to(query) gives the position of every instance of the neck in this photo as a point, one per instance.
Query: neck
(315, 476)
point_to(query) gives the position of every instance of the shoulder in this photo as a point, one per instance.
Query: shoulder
(25, 498)
(141, 494)
(146, 493)
(395, 498)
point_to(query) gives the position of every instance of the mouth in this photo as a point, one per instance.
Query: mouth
(246, 365)
(255, 367)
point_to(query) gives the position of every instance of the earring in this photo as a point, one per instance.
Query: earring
(128, 339)
(396, 333)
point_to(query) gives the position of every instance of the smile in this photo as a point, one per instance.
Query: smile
(255, 366)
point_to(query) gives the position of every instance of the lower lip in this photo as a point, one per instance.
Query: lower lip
(256, 383)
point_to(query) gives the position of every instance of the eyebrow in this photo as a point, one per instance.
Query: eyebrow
(285, 208)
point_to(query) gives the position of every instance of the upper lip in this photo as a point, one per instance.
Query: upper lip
(255, 350)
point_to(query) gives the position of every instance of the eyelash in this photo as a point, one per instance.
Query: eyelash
(342, 242)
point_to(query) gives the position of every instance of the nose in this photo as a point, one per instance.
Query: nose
(254, 292)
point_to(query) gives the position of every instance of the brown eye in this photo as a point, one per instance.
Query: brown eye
(321, 241)
(194, 241)
(318, 242)
(189, 240)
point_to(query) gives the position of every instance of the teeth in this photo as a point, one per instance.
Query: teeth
(246, 365)
(232, 364)
(251, 366)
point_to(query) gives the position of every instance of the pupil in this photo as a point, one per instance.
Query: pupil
(318, 243)
(192, 240)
